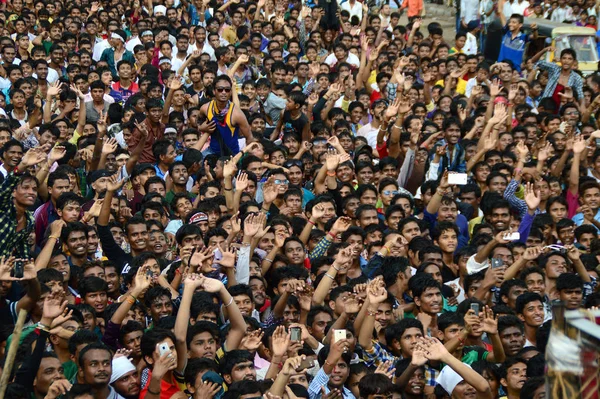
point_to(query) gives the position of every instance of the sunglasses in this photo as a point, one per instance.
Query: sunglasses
(388, 192)
(223, 89)
(282, 182)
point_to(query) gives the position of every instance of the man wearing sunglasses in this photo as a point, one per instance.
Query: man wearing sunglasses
(225, 122)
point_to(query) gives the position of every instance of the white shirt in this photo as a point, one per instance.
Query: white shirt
(471, 44)
(351, 59)
(469, 10)
(207, 48)
(354, 10)
(99, 49)
(519, 8)
(562, 14)
(130, 45)
(370, 133)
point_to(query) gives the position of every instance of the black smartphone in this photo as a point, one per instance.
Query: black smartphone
(19, 269)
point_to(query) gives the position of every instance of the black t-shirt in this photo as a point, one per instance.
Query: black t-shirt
(296, 124)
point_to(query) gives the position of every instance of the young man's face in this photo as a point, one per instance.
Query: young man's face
(555, 266)
(368, 217)
(411, 230)
(533, 314)
(245, 304)
(97, 300)
(430, 300)
(516, 375)
(132, 341)
(50, 370)
(572, 297)
(203, 345)
(317, 328)
(243, 371)
(447, 212)
(339, 375)
(591, 198)
(513, 340)
(447, 241)
(97, 367)
(409, 340)
(161, 307)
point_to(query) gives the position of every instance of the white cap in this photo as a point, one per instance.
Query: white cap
(160, 9)
(121, 366)
(449, 379)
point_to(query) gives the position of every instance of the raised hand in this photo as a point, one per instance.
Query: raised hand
(579, 145)
(211, 285)
(175, 83)
(57, 153)
(544, 152)
(342, 224)
(101, 123)
(489, 323)
(522, 150)
(532, 197)
(432, 348)
(114, 184)
(280, 341)
(351, 304)
(229, 168)
(54, 89)
(386, 368)
(241, 183)
(54, 306)
(32, 157)
(252, 340)
(109, 146)
(58, 388)
(228, 257)
(291, 365)
(142, 279)
(270, 190)
(392, 109)
(376, 291)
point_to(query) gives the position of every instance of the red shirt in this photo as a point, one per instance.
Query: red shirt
(166, 389)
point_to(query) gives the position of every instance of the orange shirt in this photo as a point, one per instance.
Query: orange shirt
(166, 389)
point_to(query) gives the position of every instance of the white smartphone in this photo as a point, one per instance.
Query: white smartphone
(459, 179)
(163, 348)
(513, 236)
(338, 335)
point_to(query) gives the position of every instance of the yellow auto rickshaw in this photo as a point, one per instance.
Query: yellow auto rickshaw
(562, 36)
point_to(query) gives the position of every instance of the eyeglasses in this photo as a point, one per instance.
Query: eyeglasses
(281, 182)
(388, 192)
(572, 113)
(223, 89)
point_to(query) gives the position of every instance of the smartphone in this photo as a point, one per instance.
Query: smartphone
(496, 262)
(513, 236)
(475, 308)
(459, 179)
(163, 348)
(338, 335)
(597, 143)
(218, 256)
(296, 333)
(149, 273)
(305, 364)
(19, 269)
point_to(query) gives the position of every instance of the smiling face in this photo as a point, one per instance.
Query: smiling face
(430, 301)
(533, 314)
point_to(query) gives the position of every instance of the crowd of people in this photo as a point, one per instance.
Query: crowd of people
(288, 200)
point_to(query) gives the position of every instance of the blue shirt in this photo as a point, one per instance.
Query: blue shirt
(513, 49)
(578, 218)
(320, 381)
